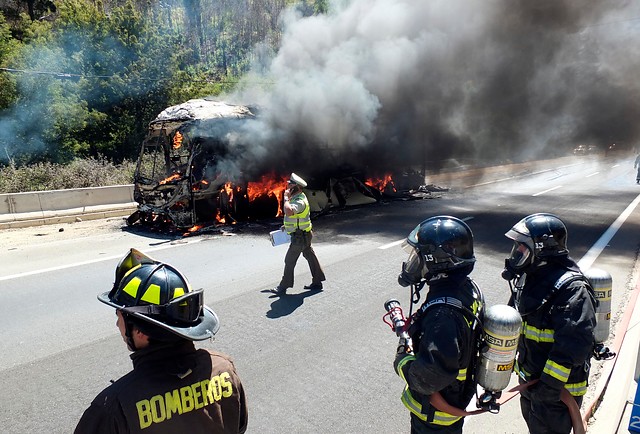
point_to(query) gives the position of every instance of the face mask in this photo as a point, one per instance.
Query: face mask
(517, 262)
(413, 269)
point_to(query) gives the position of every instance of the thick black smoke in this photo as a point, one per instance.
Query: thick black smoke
(390, 84)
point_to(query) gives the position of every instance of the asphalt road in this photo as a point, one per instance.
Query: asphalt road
(311, 362)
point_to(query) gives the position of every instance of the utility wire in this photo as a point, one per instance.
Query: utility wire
(107, 77)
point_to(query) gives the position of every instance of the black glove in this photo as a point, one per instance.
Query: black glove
(398, 359)
(542, 392)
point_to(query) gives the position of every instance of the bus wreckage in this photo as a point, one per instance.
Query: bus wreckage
(180, 180)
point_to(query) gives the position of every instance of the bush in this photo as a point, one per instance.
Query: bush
(90, 172)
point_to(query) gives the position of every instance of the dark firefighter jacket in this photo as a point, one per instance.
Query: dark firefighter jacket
(445, 346)
(558, 314)
(173, 388)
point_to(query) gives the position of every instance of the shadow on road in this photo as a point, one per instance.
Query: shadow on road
(286, 304)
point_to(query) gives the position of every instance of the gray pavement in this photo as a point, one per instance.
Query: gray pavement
(616, 386)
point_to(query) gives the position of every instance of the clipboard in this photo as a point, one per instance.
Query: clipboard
(279, 237)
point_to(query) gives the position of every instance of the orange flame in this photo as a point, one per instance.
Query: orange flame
(229, 190)
(173, 177)
(269, 185)
(381, 184)
(199, 185)
(177, 140)
(192, 229)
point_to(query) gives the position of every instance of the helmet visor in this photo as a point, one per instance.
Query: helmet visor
(185, 309)
(414, 266)
(520, 255)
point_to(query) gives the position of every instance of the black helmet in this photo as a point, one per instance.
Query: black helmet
(537, 237)
(545, 234)
(438, 244)
(160, 295)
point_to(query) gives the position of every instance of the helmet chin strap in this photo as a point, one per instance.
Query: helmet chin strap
(128, 327)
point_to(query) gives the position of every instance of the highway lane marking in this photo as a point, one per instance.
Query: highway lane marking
(593, 174)
(509, 178)
(589, 258)
(397, 243)
(92, 261)
(547, 191)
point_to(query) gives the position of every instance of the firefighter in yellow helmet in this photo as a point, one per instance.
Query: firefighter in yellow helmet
(173, 387)
(297, 223)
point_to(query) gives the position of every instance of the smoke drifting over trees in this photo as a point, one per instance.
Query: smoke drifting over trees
(388, 83)
(375, 84)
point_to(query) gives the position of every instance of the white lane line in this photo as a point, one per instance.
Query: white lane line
(93, 261)
(396, 243)
(593, 174)
(547, 191)
(388, 246)
(589, 258)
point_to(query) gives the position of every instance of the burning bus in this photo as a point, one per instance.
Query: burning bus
(183, 178)
(177, 180)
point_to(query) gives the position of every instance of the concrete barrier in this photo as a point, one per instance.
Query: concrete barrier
(60, 206)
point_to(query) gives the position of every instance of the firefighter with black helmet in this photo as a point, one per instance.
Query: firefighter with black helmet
(439, 372)
(557, 307)
(173, 387)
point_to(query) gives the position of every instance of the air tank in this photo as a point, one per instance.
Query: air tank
(601, 283)
(502, 326)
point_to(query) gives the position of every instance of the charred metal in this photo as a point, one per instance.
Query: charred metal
(184, 181)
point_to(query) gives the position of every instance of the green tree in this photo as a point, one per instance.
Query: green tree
(8, 48)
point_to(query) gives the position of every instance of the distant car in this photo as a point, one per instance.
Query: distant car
(580, 150)
(615, 148)
(592, 149)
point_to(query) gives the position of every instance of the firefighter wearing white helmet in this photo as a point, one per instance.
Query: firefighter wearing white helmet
(558, 307)
(173, 387)
(297, 223)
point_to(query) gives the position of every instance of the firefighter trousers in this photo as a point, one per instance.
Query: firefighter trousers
(546, 417)
(301, 244)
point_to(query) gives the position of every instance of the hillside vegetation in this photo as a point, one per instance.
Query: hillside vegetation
(80, 79)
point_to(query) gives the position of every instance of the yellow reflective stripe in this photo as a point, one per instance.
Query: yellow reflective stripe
(442, 418)
(403, 362)
(152, 294)
(412, 405)
(439, 417)
(177, 292)
(132, 286)
(577, 389)
(557, 371)
(462, 375)
(536, 334)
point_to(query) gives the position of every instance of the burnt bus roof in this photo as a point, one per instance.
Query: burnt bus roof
(198, 111)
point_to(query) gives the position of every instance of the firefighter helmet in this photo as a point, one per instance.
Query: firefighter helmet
(438, 244)
(536, 238)
(160, 295)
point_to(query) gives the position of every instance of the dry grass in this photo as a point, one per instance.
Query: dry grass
(92, 172)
